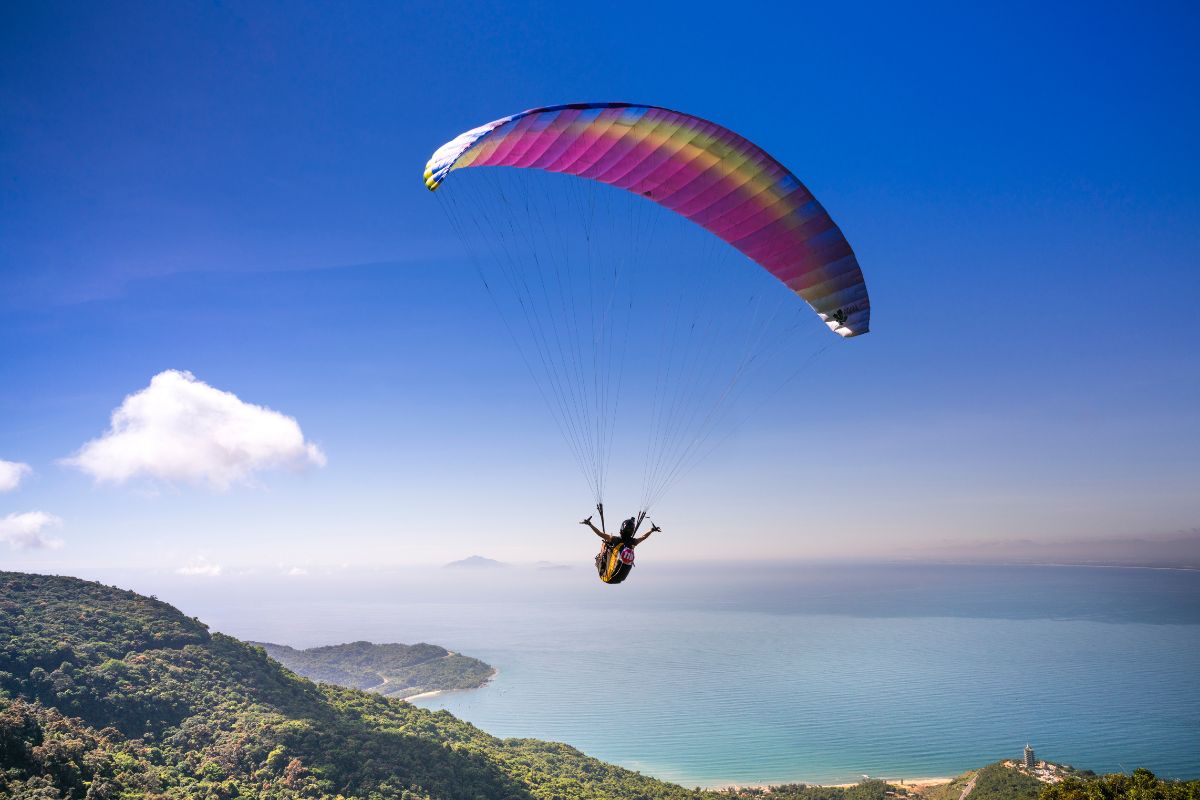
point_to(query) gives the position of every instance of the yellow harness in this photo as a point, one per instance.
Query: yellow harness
(609, 564)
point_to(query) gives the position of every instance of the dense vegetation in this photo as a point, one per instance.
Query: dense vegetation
(1141, 785)
(867, 790)
(997, 782)
(993, 782)
(396, 670)
(1008, 782)
(952, 790)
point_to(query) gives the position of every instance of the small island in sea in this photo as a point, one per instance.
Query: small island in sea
(475, 562)
(395, 670)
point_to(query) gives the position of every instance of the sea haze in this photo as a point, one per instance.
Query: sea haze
(772, 673)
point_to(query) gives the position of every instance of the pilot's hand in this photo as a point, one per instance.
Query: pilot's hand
(587, 521)
(654, 528)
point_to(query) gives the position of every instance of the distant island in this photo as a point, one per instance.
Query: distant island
(106, 694)
(395, 670)
(476, 562)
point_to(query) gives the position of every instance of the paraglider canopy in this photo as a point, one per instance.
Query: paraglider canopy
(707, 173)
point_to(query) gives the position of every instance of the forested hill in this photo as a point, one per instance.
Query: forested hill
(108, 694)
(395, 670)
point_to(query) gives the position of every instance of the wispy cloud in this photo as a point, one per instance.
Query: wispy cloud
(11, 474)
(180, 429)
(27, 531)
(1177, 549)
(199, 566)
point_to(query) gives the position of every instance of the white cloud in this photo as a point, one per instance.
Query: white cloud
(179, 429)
(11, 473)
(27, 531)
(295, 571)
(199, 566)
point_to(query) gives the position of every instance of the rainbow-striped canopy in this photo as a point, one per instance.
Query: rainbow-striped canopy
(709, 174)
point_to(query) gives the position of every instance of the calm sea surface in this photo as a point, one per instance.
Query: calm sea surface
(770, 674)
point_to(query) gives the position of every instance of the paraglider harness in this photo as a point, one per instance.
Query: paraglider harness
(615, 561)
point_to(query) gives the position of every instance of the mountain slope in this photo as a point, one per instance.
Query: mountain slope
(167, 709)
(993, 782)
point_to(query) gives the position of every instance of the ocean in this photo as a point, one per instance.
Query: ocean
(785, 672)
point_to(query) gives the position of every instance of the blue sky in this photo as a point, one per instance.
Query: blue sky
(233, 190)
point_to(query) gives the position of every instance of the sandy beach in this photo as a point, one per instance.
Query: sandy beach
(915, 785)
(436, 692)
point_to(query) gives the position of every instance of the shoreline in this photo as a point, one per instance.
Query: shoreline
(437, 692)
(919, 784)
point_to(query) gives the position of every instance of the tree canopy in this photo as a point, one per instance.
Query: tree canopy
(396, 670)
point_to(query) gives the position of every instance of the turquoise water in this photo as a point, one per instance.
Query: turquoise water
(788, 672)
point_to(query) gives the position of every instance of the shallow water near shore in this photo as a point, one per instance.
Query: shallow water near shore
(790, 672)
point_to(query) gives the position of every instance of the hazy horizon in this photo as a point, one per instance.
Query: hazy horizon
(1179, 550)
